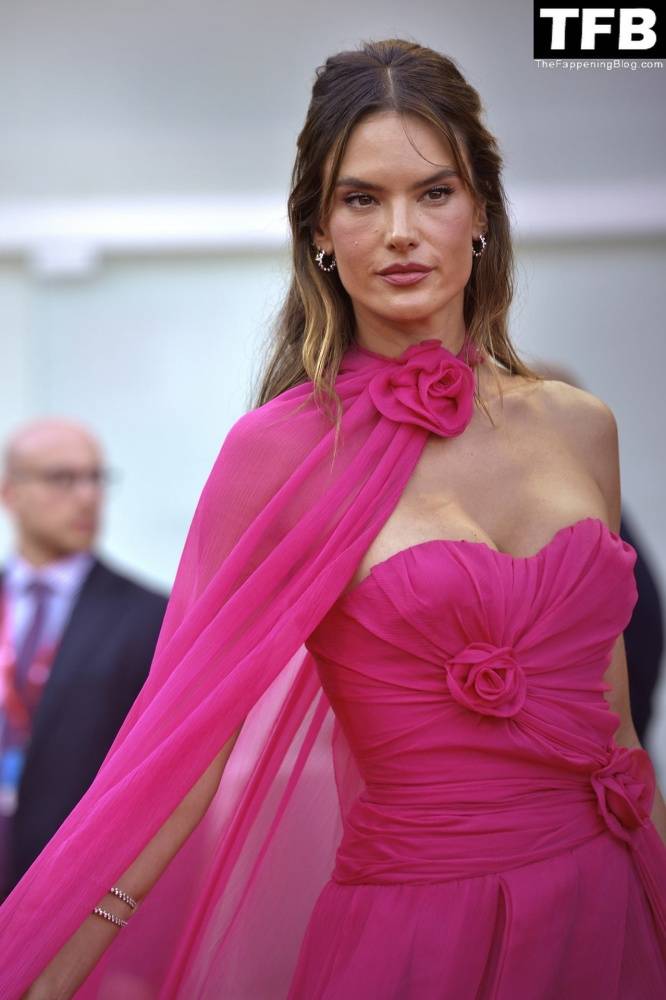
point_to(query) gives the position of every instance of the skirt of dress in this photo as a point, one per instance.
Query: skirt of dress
(577, 926)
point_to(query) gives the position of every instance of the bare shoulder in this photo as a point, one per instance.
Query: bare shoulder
(560, 405)
(569, 401)
(588, 427)
(585, 419)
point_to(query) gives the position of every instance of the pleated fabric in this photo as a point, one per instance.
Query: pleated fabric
(501, 846)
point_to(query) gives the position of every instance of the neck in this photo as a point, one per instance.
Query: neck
(391, 340)
(390, 347)
(39, 555)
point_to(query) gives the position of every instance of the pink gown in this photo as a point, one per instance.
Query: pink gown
(502, 846)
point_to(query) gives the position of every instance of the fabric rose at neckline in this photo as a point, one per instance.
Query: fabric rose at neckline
(427, 385)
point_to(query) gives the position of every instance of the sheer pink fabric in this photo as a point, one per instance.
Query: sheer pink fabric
(278, 531)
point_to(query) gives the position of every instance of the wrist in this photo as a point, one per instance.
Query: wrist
(116, 907)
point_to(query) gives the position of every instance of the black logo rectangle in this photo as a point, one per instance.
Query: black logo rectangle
(597, 31)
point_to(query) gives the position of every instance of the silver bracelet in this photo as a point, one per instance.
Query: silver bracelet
(118, 921)
(126, 898)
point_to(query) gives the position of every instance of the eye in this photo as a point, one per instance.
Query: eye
(349, 200)
(443, 190)
(62, 478)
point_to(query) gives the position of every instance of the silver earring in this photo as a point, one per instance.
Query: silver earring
(319, 257)
(477, 253)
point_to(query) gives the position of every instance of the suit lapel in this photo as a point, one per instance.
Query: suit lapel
(78, 650)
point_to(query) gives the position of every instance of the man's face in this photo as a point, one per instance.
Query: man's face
(54, 491)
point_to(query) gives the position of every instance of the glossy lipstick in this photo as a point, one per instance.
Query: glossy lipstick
(405, 277)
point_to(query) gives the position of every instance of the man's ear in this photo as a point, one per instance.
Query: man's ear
(6, 495)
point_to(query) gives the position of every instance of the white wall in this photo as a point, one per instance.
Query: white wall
(156, 356)
(208, 95)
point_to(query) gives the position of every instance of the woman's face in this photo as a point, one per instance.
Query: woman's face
(388, 209)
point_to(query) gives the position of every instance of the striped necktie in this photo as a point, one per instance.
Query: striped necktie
(34, 634)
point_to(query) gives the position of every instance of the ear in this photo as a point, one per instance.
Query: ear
(6, 495)
(480, 219)
(322, 239)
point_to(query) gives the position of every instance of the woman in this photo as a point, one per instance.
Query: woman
(383, 672)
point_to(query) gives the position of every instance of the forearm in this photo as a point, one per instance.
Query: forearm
(81, 952)
(658, 815)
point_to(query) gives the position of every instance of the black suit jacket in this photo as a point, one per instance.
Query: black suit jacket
(100, 665)
(644, 635)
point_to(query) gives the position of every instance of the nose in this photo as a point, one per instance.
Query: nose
(401, 230)
(87, 492)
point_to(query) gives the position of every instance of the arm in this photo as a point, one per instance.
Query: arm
(602, 448)
(626, 735)
(232, 499)
(79, 955)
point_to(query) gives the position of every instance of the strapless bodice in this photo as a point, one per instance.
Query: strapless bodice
(469, 685)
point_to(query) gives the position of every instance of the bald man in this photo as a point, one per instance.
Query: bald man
(76, 637)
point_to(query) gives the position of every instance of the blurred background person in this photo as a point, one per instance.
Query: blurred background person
(76, 637)
(644, 635)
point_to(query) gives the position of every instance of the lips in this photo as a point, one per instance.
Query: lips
(405, 269)
(404, 277)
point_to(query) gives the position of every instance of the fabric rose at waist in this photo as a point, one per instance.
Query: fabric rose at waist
(401, 835)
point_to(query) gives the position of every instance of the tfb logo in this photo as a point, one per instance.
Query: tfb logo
(596, 31)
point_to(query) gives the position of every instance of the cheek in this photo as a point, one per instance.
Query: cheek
(36, 509)
(452, 231)
(51, 513)
(452, 244)
(352, 238)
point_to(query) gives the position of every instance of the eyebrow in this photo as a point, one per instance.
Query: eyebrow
(357, 182)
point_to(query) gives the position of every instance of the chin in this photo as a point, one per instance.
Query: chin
(409, 310)
(79, 543)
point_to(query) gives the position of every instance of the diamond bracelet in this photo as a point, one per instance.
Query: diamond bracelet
(118, 921)
(126, 898)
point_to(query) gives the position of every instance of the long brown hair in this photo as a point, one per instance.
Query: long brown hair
(315, 324)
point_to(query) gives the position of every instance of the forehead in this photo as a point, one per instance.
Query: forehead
(54, 448)
(386, 145)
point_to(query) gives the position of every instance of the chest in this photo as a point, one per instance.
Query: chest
(510, 483)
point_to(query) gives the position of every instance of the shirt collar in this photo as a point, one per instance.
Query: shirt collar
(64, 576)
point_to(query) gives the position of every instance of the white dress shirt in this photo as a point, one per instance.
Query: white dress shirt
(65, 578)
